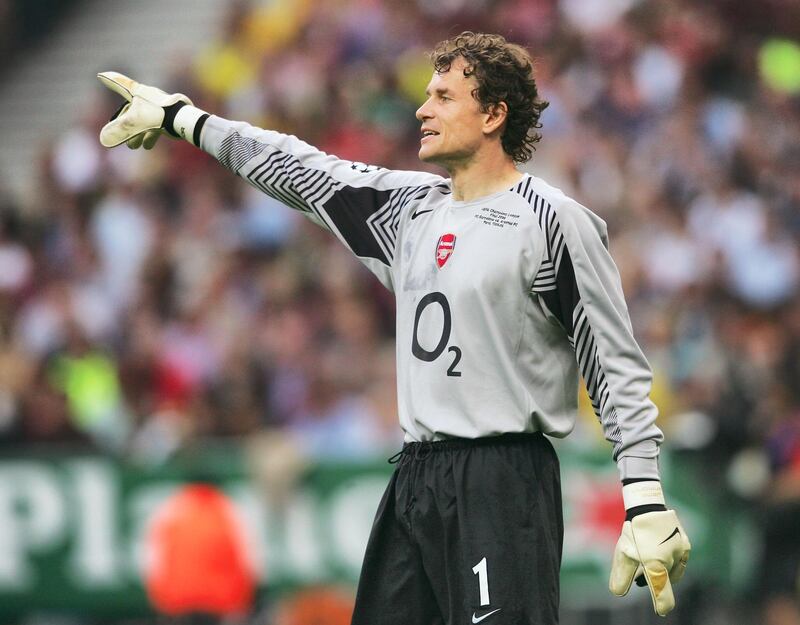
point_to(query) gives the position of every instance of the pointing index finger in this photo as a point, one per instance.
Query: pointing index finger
(119, 83)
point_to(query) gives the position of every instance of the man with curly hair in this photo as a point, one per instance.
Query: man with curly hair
(506, 294)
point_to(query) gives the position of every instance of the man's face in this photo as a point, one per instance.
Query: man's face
(451, 118)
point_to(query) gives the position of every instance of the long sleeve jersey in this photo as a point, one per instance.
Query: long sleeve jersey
(502, 302)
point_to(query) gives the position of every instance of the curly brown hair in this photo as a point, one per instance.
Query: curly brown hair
(504, 73)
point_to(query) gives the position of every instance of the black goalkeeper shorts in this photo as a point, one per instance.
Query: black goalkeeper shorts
(468, 531)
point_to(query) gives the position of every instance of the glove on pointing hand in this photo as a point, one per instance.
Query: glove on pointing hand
(140, 121)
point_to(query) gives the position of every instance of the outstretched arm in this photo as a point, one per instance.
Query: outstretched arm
(359, 204)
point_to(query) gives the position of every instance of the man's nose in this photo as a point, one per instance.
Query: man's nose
(423, 113)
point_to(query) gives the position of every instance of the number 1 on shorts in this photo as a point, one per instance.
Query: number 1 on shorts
(483, 580)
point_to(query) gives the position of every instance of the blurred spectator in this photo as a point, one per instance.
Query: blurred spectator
(89, 381)
(320, 606)
(198, 562)
(781, 554)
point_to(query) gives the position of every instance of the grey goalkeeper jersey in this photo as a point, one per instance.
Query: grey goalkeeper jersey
(502, 302)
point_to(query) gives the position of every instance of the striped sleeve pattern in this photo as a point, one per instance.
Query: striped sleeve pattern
(367, 218)
(236, 150)
(282, 176)
(384, 222)
(278, 174)
(555, 283)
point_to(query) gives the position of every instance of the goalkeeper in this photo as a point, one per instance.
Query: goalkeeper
(506, 293)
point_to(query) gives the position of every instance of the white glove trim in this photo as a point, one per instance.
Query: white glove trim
(185, 121)
(642, 494)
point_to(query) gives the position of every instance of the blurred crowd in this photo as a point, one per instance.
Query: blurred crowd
(148, 300)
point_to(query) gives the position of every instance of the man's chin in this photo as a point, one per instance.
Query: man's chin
(427, 156)
(446, 160)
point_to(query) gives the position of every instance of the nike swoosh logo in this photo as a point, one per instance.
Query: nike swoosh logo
(417, 214)
(675, 531)
(478, 619)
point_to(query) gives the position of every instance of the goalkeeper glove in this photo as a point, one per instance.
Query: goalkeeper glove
(653, 545)
(147, 113)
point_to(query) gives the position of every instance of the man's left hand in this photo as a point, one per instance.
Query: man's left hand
(653, 545)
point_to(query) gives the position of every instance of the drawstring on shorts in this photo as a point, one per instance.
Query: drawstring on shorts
(411, 451)
(422, 449)
(417, 452)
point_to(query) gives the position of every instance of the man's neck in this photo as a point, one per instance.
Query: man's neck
(483, 176)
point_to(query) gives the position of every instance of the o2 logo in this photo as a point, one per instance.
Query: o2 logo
(436, 299)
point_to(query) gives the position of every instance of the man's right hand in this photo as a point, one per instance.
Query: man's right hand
(147, 114)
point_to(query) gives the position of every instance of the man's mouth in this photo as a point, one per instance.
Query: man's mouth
(426, 134)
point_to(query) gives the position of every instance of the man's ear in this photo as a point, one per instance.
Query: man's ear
(496, 116)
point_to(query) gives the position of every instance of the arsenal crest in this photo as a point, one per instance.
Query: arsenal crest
(444, 248)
